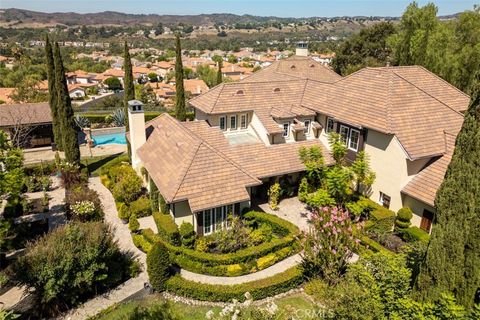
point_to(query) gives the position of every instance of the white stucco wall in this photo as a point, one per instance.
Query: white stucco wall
(258, 127)
(182, 213)
(323, 136)
(417, 207)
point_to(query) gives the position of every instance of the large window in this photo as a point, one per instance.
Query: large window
(354, 140)
(223, 123)
(307, 127)
(243, 121)
(330, 125)
(286, 129)
(216, 219)
(344, 134)
(233, 122)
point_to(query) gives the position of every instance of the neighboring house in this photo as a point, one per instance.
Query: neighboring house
(118, 73)
(28, 124)
(5, 95)
(76, 91)
(164, 67)
(247, 135)
(195, 86)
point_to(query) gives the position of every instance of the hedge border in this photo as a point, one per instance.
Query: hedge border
(260, 289)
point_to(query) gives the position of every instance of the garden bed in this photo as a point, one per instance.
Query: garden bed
(244, 261)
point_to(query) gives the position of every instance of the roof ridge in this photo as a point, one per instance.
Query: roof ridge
(303, 92)
(184, 173)
(389, 103)
(428, 94)
(216, 100)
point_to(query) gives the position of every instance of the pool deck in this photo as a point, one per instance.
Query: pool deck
(39, 155)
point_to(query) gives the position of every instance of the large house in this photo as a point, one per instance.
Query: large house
(247, 134)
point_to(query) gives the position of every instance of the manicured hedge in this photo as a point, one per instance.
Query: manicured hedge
(260, 289)
(413, 234)
(382, 219)
(149, 115)
(279, 226)
(373, 245)
(212, 259)
(167, 228)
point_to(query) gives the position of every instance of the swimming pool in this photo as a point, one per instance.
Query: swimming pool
(112, 138)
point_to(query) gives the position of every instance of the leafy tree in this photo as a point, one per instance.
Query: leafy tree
(314, 163)
(339, 149)
(338, 182)
(11, 164)
(208, 75)
(27, 90)
(363, 175)
(180, 108)
(159, 29)
(367, 49)
(65, 111)
(71, 263)
(153, 77)
(113, 83)
(452, 262)
(328, 245)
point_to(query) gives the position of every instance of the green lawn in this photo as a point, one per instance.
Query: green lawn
(94, 164)
(297, 306)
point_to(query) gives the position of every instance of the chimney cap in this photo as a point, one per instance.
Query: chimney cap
(135, 106)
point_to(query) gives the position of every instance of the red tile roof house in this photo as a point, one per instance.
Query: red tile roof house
(247, 134)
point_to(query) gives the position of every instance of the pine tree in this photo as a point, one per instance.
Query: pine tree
(219, 72)
(65, 111)
(180, 109)
(129, 89)
(452, 260)
(57, 137)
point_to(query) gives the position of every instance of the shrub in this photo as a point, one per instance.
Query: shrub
(382, 220)
(329, 244)
(141, 242)
(163, 206)
(158, 266)
(84, 203)
(234, 270)
(259, 289)
(233, 238)
(362, 207)
(128, 188)
(274, 195)
(141, 207)
(373, 245)
(133, 223)
(187, 234)
(154, 195)
(319, 199)
(402, 222)
(167, 228)
(72, 263)
(123, 211)
(266, 261)
(303, 189)
(278, 225)
(413, 234)
(203, 244)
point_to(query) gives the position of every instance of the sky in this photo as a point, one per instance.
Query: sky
(281, 8)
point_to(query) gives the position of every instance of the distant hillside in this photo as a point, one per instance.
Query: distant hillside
(19, 16)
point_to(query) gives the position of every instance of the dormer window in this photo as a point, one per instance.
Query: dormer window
(276, 90)
(240, 93)
(292, 67)
(312, 66)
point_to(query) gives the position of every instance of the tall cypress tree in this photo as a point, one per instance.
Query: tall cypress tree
(129, 88)
(52, 94)
(452, 260)
(219, 72)
(180, 109)
(65, 111)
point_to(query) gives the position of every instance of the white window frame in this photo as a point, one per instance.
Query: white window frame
(347, 134)
(381, 199)
(224, 122)
(307, 124)
(233, 117)
(208, 229)
(350, 139)
(243, 121)
(286, 133)
(327, 129)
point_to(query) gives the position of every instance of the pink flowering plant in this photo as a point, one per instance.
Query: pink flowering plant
(329, 243)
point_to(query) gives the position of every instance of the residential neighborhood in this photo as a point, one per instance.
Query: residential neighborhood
(165, 167)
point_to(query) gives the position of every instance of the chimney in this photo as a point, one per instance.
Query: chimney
(199, 90)
(302, 49)
(136, 123)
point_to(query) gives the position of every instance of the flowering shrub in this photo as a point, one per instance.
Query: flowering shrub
(329, 244)
(83, 208)
(274, 195)
(70, 174)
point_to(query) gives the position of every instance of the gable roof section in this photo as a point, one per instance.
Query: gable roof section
(381, 99)
(295, 67)
(184, 166)
(425, 184)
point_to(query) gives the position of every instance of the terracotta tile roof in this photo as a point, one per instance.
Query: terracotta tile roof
(114, 73)
(295, 67)
(195, 86)
(26, 113)
(425, 184)
(383, 100)
(184, 166)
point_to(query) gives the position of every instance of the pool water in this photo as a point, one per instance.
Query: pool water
(113, 138)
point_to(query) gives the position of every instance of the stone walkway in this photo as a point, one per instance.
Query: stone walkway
(290, 209)
(124, 239)
(148, 222)
(265, 273)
